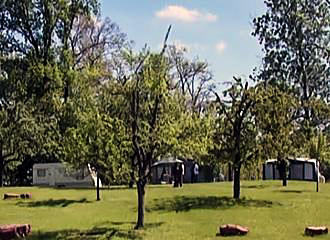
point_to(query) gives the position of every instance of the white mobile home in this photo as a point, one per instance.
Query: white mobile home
(56, 174)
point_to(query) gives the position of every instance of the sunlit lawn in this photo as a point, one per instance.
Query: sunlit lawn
(193, 212)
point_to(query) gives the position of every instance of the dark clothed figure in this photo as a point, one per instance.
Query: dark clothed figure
(180, 175)
(162, 176)
(175, 175)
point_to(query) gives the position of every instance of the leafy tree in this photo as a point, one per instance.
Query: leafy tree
(94, 40)
(32, 34)
(275, 113)
(15, 126)
(96, 138)
(97, 141)
(52, 43)
(45, 31)
(21, 128)
(295, 39)
(31, 27)
(154, 116)
(319, 148)
(192, 78)
(237, 133)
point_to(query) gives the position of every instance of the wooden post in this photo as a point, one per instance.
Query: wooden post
(317, 175)
(97, 187)
(156, 169)
(263, 171)
(303, 171)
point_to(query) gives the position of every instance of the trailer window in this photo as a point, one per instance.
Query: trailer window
(63, 172)
(41, 172)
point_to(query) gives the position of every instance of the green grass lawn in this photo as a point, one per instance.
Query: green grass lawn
(193, 212)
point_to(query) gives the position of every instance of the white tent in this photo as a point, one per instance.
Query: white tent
(299, 169)
(166, 165)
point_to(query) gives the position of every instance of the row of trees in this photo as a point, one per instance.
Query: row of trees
(73, 89)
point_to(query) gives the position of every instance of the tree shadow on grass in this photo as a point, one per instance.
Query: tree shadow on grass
(92, 234)
(52, 203)
(146, 225)
(184, 204)
(95, 233)
(290, 191)
(254, 186)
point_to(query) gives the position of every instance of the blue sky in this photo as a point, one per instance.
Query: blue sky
(218, 31)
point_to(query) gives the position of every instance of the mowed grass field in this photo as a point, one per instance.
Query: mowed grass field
(193, 212)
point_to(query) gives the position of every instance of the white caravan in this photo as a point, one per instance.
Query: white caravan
(56, 174)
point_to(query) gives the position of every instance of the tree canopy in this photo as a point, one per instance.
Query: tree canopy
(295, 40)
(237, 133)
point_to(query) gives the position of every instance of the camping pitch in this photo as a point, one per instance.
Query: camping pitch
(57, 174)
(299, 169)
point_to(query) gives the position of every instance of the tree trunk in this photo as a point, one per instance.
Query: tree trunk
(131, 182)
(97, 187)
(284, 181)
(141, 208)
(2, 166)
(317, 175)
(230, 173)
(283, 172)
(237, 187)
(1, 172)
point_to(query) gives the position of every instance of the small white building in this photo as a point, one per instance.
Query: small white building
(56, 174)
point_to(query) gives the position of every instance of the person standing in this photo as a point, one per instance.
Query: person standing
(196, 172)
(181, 173)
(162, 176)
(175, 175)
(192, 172)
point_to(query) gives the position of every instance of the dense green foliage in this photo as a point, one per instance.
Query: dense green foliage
(35, 74)
(295, 39)
(293, 106)
(275, 113)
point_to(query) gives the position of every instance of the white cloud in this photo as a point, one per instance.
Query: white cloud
(221, 46)
(211, 17)
(188, 47)
(183, 14)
